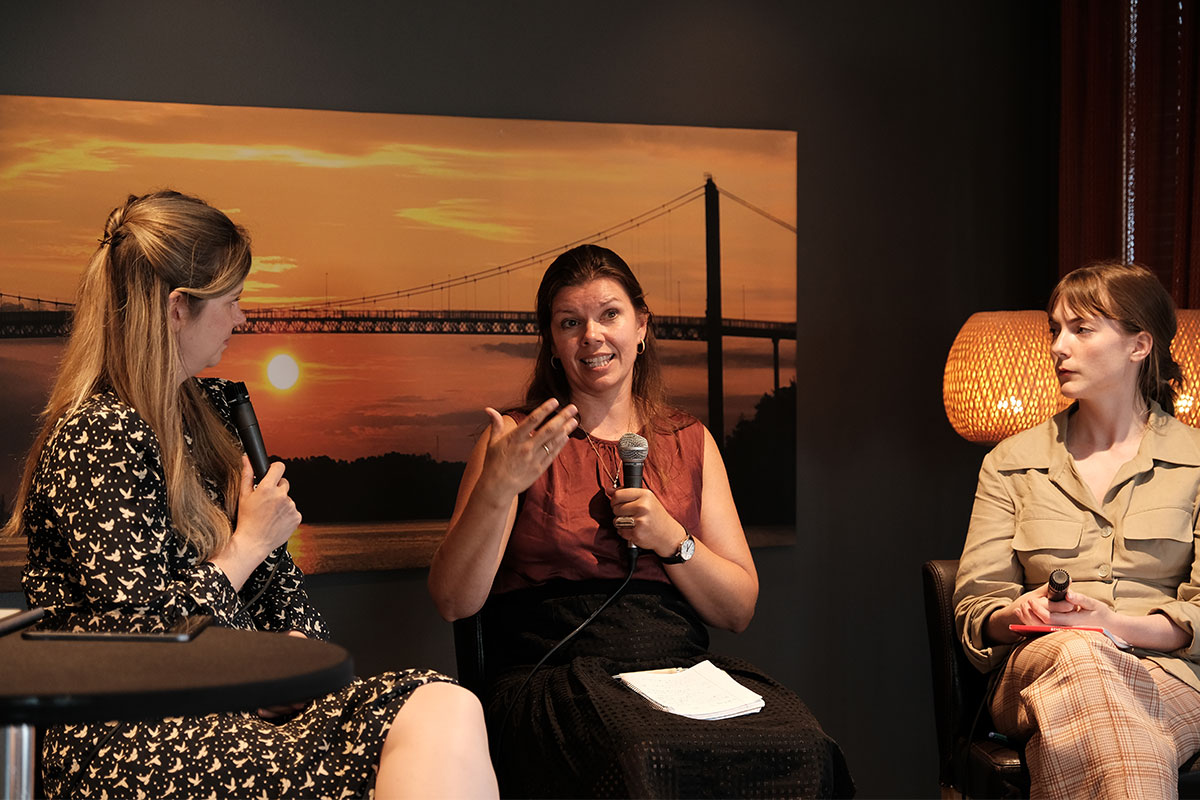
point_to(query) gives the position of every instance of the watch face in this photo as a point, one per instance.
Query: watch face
(687, 549)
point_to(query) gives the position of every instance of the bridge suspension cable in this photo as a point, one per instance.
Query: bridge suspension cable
(757, 210)
(682, 200)
(636, 221)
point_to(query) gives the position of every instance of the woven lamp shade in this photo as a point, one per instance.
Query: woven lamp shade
(1186, 349)
(1000, 380)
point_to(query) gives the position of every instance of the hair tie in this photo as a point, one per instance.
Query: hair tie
(111, 239)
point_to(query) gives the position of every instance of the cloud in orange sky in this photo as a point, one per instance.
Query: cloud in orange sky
(471, 216)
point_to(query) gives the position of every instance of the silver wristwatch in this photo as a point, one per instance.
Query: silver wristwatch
(687, 549)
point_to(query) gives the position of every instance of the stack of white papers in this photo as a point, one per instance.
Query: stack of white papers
(703, 691)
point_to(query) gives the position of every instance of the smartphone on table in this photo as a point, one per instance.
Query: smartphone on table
(183, 631)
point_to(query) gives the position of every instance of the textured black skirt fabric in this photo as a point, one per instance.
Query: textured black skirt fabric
(574, 731)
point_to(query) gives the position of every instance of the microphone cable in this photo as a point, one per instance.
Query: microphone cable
(266, 583)
(633, 558)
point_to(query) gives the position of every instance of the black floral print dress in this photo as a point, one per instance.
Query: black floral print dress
(103, 555)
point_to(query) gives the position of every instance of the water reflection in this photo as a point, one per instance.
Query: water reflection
(365, 546)
(371, 546)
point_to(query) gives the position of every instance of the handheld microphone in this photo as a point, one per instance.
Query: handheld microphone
(1060, 579)
(246, 423)
(247, 427)
(633, 450)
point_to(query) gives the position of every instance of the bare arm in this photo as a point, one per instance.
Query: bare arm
(720, 580)
(506, 461)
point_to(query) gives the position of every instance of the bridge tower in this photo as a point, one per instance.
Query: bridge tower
(716, 366)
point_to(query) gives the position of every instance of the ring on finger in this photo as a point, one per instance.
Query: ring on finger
(546, 447)
(623, 522)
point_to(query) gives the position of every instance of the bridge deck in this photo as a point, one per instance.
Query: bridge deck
(39, 324)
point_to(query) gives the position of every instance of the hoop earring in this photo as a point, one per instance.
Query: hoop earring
(555, 363)
(641, 348)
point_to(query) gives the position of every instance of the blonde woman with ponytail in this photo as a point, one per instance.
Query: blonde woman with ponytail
(141, 509)
(1108, 491)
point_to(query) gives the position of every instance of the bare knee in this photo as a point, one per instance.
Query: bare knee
(439, 706)
(437, 747)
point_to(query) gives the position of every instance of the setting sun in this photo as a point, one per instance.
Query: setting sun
(283, 371)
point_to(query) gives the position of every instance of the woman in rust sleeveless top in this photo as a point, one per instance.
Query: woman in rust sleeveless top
(542, 536)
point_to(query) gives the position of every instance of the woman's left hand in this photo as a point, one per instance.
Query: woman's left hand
(653, 527)
(1085, 612)
(1150, 631)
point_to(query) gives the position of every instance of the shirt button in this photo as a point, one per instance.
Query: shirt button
(1104, 570)
(1106, 531)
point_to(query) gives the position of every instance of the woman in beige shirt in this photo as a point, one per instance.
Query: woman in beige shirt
(1106, 490)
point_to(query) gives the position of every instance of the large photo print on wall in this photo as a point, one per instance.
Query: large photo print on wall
(396, 259)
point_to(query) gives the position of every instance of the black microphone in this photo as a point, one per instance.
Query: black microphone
(252, 442)
(632, 449)
(247, 427)
(1058, 583)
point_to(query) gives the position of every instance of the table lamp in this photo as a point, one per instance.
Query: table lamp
(999, 377)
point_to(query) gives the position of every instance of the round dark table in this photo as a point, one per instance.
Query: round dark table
(50, 682)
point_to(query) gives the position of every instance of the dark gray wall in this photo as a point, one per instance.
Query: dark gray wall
(927, 173)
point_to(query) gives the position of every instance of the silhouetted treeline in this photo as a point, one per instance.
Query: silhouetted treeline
(760, 455)
(393, 486)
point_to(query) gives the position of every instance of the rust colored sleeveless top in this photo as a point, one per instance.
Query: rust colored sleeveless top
(564, 526)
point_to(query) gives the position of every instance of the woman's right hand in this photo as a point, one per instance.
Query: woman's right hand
(1032, 608)
(266, 518)
(517, 457)
(505, 462)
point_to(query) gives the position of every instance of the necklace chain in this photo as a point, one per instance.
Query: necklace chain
(600, 460)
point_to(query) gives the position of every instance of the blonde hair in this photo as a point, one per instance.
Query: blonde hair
(121, 341)
(1134, 298)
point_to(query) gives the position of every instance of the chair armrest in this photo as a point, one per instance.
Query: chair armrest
(946, 662)
(468, 652)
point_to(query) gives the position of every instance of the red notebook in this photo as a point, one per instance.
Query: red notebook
(1037, 630)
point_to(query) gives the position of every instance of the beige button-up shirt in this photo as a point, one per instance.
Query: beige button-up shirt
(1134, 549)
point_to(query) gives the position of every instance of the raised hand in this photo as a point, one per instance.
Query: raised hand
(517, 456)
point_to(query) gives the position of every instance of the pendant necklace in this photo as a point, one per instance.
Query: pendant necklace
(600, 460)
(616, 481)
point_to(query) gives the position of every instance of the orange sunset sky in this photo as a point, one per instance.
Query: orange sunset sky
(341, 205)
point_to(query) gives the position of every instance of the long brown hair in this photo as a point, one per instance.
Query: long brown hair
(575, 267)
(121, 342)
(1133, 297)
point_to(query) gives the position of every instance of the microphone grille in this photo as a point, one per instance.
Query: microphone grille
(632, 447)
(1059, 579)
(236, 392)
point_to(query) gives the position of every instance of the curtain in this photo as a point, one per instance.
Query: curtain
(1129, 176)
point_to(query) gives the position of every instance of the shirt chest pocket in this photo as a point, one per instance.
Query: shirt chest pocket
(1167, 523)
(1047, 534)
(1158, 543)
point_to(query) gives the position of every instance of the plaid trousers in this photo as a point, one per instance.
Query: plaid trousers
(1098, 722)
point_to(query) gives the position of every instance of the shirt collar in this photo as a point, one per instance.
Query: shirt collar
(1167, 440)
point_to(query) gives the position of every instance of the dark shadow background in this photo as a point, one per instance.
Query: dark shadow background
(928, 140)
